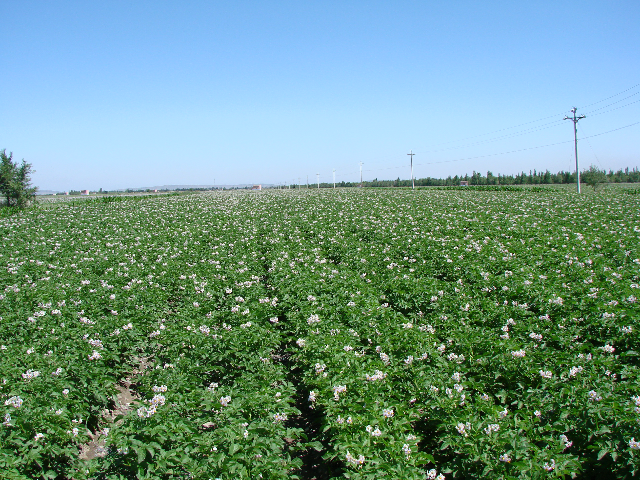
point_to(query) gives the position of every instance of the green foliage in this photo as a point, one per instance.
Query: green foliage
(364, 334)
(494, 188)
(594, 177)
(15, 181)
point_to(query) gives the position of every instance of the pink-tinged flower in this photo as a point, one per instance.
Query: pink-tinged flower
(378, 375)
(337, 390)
(358, 462)
(95, 355)
(406, 449)
(593, 395)
(574, 371)
(462, 429)
(15, 402)
(279, 417)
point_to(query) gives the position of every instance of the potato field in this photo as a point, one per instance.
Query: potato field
(322, 334)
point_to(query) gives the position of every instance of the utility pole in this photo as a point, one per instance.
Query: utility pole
(413, 186)
(307, 182)
(361, 173)
(334, 178)
(575, 139)
(318, 179)
(298, 183)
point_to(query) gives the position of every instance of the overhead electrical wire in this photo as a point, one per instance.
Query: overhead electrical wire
(612, 96)
(537, 128)
(540, 127)
(503, 129)
(515, 134)
(491, 154)
(580, 127)
(533, 129)
(528, 148)
(544, 118)
(614, 103)
(511, 135)
(607, 111)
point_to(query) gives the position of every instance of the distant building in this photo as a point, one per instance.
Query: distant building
(464, 183)
(256, 187)
(155, 191)
(84, 192)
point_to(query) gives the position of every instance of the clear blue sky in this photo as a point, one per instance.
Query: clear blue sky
(124, 94)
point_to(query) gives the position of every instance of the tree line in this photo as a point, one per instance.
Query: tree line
(591, 176)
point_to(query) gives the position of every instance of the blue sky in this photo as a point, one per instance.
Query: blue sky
(132, 94)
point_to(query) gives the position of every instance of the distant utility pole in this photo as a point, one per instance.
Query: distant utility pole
(318, 179)
(334, 178)
(575, 121)
(307, 181)
(298, 183)
(361, 173)
(413, 186)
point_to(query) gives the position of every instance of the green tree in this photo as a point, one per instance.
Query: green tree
(15, 181)
(594, 177)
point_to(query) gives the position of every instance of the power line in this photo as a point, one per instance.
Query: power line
(521, 149)
(612, 96)
(491, 154)
(503, 137)
(614, 103)
(515, 134)
(543, 118)
(611, 110)
(591, 147)
(614, 130)
(502, 129)
(523, 132)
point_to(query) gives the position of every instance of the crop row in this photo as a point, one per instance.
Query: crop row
(383, 334)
